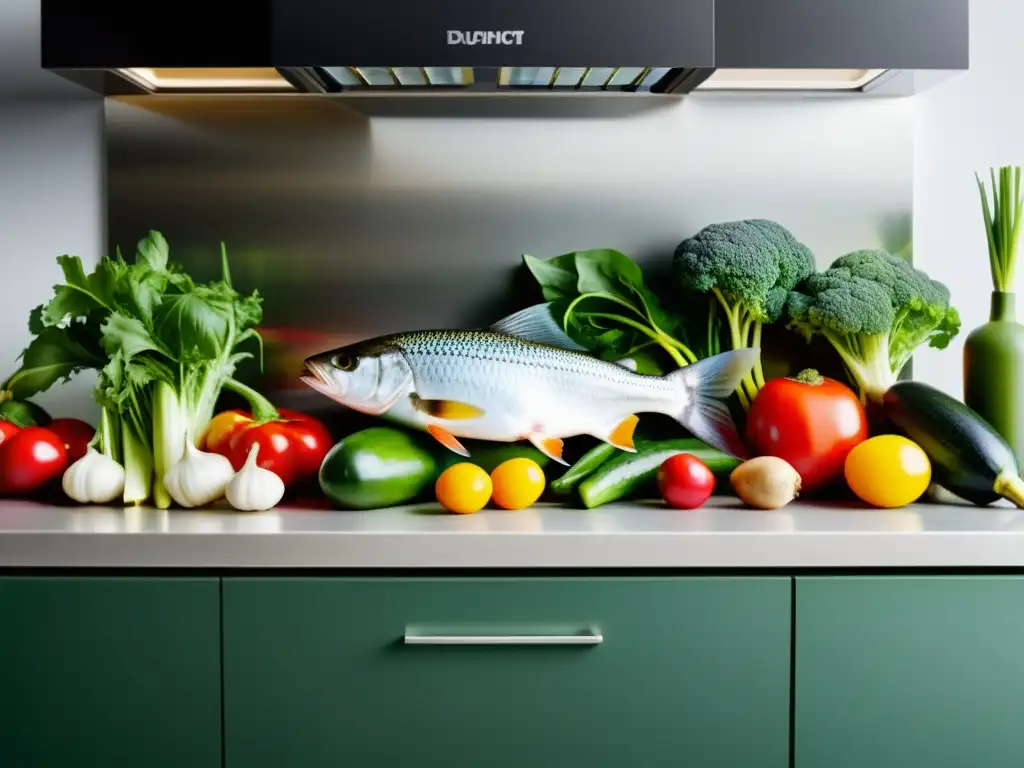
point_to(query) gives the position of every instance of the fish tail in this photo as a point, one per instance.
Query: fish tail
(705, 387)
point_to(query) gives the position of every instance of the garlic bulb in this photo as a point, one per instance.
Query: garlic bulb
(94, 479)
(254, 489)
(199, 478)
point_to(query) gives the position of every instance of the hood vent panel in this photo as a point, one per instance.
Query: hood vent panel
(533, 79)
(399, 77)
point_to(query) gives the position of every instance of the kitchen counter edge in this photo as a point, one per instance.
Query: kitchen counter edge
(626, 536)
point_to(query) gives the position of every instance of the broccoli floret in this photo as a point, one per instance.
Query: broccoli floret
(875, 309)
(750, 266)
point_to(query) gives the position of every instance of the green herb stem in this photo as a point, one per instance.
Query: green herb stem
(1002, 217)
(675, 353)
(262, 408)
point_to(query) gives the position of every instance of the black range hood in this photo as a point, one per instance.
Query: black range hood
(398, 47)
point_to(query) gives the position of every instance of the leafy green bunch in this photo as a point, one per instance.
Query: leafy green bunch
(164, 346)
(605, 305)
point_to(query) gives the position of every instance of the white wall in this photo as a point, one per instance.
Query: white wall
(51, 188)
(968, 124)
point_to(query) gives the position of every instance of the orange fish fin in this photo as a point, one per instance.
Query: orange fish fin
(621, 435)
(550, 447)
(447, 439)
(451, 410)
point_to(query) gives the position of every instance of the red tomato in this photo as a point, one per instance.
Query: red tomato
(277, 448)
(76, 435)
(810, 421)
(30, 459)
(685, 481)
(8, 429)
(312, 440)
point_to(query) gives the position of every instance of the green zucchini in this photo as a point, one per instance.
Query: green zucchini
(586, 466)
(378, 467)
(631, 474)
(969, 458)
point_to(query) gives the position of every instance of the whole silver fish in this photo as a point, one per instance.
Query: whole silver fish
(524, 379)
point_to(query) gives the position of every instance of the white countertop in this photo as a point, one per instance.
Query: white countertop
(721, 535)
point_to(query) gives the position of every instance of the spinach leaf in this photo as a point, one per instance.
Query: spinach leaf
(557, 276)
(606, 306)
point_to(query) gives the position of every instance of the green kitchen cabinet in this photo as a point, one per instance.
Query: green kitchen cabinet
(496, 672)
(909, 672)
(109, 671)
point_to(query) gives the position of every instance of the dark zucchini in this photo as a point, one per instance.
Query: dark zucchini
(631, 474)
(969, 458)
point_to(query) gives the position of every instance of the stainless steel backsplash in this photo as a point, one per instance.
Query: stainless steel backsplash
(353, 226)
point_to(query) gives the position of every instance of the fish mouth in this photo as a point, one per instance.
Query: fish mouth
(315, 378)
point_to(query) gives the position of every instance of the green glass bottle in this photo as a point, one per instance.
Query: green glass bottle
(994, 371)
(994, 353)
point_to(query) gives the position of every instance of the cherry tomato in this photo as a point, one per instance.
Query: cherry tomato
(518, 483)
(30, 459)
(463, 488)
(311, 441)
(216, 438)
(76, 435)
(8, 429)
(685, 481)
(277, 448)
(810, 421)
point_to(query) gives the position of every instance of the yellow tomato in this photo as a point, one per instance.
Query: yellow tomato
(222, 427)
(888, 471)
(518, 483)
(463, 488)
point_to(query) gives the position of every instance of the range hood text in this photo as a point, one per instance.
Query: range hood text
(479, 37)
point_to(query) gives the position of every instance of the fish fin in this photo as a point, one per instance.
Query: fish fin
(536, 323)
(629, 363)
(706, 384)
(550, 447)
(621, 435)
(452, 410)
(447, 439)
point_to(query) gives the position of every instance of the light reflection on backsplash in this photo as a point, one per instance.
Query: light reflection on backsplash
(352, 227)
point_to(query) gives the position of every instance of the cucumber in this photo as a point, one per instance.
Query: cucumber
(586, 466)
(378, 467)
(385, 467)
(630, 474)
(968, 456)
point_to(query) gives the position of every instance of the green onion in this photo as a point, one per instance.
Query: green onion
(1002, 224)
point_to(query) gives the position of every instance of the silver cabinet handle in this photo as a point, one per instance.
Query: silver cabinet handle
(585, 637)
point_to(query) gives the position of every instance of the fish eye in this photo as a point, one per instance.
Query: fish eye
(343, 362)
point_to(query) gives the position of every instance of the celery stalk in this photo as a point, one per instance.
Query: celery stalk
(169, 430)
(110, 434)
(138, 466)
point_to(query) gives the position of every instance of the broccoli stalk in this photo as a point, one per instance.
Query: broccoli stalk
(744, 328)
(749, 267)
(875, 310)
